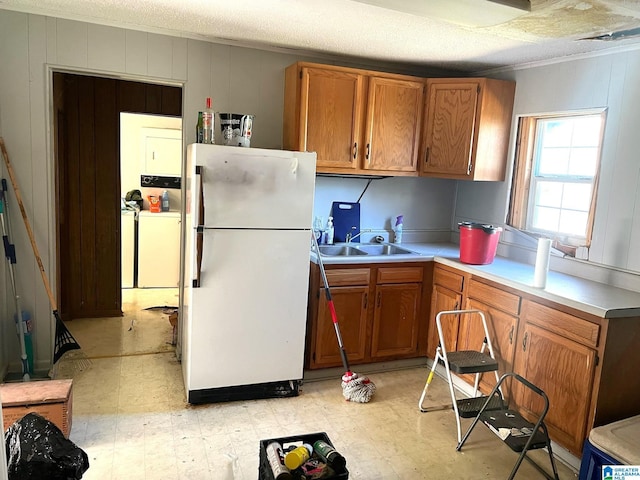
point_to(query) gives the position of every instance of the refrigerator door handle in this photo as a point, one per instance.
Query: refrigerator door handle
(199, 211)
(294, 165)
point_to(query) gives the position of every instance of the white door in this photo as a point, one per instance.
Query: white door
(247, 320)
(256, 188)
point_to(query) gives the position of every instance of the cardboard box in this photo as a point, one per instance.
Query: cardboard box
(50, 398)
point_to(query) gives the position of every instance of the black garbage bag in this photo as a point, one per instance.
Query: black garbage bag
(37, 449)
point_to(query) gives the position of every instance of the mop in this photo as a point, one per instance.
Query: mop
(10, 253)
(355, 388)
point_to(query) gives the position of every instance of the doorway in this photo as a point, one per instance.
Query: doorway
(87, 164)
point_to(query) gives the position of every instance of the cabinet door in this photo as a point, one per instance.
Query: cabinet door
(162, 151)
(331, 117)
(395, 321)
(351, 308)
(450, 123)
(394, 111)
(564, 370)
(502, 332)
(444, 299)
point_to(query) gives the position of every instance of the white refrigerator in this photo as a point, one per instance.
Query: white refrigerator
(247, 229)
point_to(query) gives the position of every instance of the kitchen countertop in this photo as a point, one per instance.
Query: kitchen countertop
(584, 295)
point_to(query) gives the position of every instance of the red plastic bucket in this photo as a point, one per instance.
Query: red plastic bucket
(478, 242)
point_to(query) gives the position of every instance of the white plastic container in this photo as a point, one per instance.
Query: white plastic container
(330, 231)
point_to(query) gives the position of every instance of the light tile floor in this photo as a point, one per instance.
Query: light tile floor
(131, 417)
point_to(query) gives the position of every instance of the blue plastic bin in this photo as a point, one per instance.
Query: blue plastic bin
(592, 462)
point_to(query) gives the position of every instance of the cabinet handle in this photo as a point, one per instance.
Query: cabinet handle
(355, 150)
(366, 299)
(378, 300)
(524, 342)
(511, 335)
(426, 155)
(455, 307)
(368, 151)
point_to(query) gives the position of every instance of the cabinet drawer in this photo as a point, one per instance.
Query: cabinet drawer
(399, 274)
(568, 326)
(507, 302)
(448, 279)
(348, 276)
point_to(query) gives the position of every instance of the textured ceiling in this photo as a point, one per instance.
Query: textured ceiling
(350, 29)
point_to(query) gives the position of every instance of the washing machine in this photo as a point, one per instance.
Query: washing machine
(127, 234)
(158, 249)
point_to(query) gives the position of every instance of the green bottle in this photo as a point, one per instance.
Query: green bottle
(199, 129)
(328, 454)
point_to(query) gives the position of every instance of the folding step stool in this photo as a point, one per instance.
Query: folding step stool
(463, 362)
(512, 428)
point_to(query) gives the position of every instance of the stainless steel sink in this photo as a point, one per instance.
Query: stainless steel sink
(345, 250)
(340, 250)
(384, 249)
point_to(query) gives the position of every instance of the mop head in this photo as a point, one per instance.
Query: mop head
(356, 388)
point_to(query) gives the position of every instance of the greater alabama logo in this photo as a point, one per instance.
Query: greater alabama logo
(621, 472)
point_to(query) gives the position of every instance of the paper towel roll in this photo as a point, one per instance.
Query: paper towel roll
(542, 263)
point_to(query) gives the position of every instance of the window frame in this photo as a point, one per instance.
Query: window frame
(523, 172)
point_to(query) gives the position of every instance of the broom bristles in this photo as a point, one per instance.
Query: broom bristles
(64, 340)
(65, 364)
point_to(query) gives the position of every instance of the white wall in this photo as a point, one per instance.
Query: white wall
(426, 203)
(29, 44)
(611, 81)
(238, 79)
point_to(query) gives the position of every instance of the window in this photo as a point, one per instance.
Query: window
(556, 177)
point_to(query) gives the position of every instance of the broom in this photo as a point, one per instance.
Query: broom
(354, 387)
(64, 341)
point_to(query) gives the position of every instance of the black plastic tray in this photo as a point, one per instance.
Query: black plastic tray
(264, 470)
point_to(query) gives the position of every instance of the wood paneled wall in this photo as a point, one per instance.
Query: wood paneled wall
(88, 185)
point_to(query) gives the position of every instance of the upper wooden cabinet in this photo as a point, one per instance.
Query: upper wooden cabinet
(357, 121)
(466, 128)
(392, 133)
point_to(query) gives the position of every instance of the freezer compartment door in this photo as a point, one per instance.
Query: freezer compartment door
(267, 189)
(248, 317)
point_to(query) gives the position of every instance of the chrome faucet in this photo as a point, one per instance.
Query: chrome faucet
(349, 238)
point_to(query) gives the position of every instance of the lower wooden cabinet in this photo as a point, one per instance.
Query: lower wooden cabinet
(395, 320)
(379, 309)
(446, 295)
(443, 299)
(351, 309)
(584, 363)
(502, 328)
(563, 368)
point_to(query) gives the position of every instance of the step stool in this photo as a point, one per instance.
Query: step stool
(460, 363)
(514, 430)
(617, 443)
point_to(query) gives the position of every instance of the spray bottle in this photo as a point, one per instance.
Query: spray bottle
(330, 231)
(397, 229)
